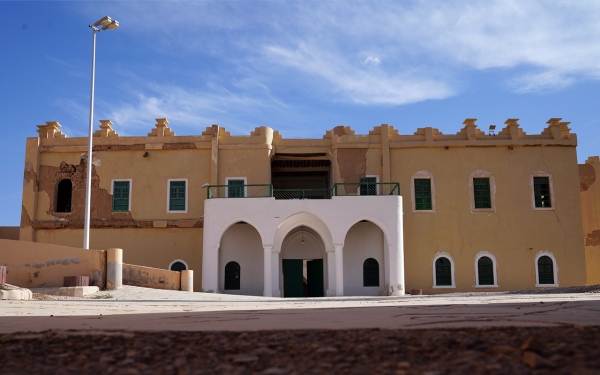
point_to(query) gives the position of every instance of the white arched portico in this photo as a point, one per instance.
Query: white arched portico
(331, 219)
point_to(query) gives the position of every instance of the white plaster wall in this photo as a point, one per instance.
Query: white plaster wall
(241, 243)
(292, 247)
(336, 215)
(364, 240)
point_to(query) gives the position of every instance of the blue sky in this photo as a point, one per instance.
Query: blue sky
(301, 67)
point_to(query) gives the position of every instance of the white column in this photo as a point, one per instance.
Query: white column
(331, 273)
(339, 270)
(210, 269)
(268, 258)
(275, 275)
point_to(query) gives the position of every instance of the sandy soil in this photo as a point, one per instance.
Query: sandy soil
(510, 350)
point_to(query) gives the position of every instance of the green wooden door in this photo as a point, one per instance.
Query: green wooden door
(292, 278)
(314, 277)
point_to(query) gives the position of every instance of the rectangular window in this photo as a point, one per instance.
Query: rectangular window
(481, 193)
(422, 194)
(177, 191)
(368, 186)
(541, 192)
(120, 202)
(235, 188)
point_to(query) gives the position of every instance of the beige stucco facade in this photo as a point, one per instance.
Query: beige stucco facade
(513, 232)
(590, 203)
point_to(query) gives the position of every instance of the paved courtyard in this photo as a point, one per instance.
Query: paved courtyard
(149, 309)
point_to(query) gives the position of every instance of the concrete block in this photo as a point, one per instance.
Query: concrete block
(73, 291)
(2, 275)
(76, 281)
(15, 294)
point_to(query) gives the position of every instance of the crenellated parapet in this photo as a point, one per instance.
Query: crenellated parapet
(161, 130)
(50, 130)
(470, 130)
(557, 129)
(557, 132)
(106, 130)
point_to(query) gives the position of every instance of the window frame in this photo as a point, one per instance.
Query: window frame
(112, 192)
(494, 269)
(418, 176)
(378, 272)
(169, 211)
(245, 179)
(482, 174)
(376, 177)
(181, 261)
(554, 270)
(452, 269)
(239, 281)
(532, 191)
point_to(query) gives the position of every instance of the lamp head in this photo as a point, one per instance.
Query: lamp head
(104, 21)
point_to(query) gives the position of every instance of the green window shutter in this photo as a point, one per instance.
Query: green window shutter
(485, 270)
(443, 272)
(481, 193)
(368, 186)
(235, 189)
(177, 196)
(120, 201)
(545, 270)
(423, 194)
(541, 192)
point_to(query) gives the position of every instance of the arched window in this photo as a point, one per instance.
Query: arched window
(232, 276)
(545, 267)
(371, 272)
(443, 272)
(485, 271)
(63, 196)
(178, 266)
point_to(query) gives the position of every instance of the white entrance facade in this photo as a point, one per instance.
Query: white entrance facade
(344, 231)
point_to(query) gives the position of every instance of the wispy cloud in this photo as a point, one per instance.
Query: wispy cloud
(333, 50)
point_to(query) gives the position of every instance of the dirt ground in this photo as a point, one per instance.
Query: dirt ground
(510, 350)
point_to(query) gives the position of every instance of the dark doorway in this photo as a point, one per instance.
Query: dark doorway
(314, 278)
(63, 196)
(293, 282)
(293, 279)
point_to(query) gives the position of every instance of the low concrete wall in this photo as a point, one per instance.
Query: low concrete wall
(9, 233)
(149, 277)
(39, 265)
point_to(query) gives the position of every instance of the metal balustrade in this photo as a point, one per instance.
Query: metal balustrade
(366, 188)
(239, 191)
(302, 193)
(267, 191)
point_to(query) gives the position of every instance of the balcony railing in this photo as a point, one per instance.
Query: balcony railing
(267, 191)
(366, 188)
(239, 191)
(302, 193)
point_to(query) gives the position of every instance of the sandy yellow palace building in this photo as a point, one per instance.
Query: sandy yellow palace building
(348, 214)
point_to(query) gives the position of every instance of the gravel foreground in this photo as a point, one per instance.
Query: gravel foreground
(510, 350)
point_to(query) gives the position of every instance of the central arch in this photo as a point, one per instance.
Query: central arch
(303, 243)
(303, 263)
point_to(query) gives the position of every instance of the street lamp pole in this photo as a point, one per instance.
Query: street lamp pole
(106, 23)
